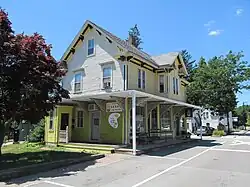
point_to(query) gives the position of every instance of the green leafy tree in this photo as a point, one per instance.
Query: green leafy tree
(29, 77)
(217, 81)
(189, 62)
(134, 33)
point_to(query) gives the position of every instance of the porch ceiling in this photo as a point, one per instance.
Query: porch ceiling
(128, 94)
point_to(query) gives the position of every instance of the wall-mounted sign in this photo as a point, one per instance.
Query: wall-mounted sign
(113, 107)
(113, 120)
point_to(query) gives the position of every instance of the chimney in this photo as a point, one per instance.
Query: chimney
(130, 39)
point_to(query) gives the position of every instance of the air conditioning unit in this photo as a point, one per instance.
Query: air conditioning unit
(92, 107)
(106, 85)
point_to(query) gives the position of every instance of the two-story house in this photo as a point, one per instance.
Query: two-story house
(113, 87)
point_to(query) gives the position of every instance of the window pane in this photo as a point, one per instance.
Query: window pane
(177, 86)
(78, 77)
(174, 85)
(90, 51)
(107, 72)
(161, 83)
(139, 78)
(90, 46)
(143, 79)
(77, 86)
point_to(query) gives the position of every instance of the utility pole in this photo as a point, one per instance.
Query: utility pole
(244, 115)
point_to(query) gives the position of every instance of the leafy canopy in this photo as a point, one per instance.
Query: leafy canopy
(134, 33)
(29, 75)
(216, 81)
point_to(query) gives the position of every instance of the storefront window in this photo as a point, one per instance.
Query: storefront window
(140, 119)
(154, 118)
(165, 118)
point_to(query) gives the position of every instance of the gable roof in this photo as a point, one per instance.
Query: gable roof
(157, 61)
(169, 59)
(165, 59)
(125, 44)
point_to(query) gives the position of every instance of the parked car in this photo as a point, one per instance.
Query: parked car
(206, 131)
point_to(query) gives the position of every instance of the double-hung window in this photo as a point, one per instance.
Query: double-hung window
(78, 82)
(174, 85)
(161, 83)
(51, 118)
(107, 77)
(79, 118)
(177, 86)
(91, 47)
(141, 79)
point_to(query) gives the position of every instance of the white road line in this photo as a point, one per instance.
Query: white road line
(57, 184)
(232, 150)
(170, 168)
(166, 157)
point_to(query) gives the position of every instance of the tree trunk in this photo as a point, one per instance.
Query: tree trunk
(2, 129)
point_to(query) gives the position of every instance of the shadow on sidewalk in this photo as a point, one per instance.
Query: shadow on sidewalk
(168, 150)
(51, 173)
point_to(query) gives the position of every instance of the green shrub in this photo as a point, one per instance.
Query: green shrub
(221, 127)
(218, 133)
(37, 135)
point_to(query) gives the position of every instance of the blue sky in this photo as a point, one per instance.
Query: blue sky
(205, 28)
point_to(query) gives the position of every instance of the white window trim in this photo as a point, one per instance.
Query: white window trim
(76, 117)
(111, 80)
(141, 73)
(88, 48)
(164, 83)
(81, 87)
(51, 119)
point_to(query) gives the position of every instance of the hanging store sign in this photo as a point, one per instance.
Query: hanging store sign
(113, 107)
(113, 120)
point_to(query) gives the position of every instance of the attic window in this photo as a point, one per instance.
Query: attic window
(91, 47)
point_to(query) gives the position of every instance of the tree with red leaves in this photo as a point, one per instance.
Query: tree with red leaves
(29, 77)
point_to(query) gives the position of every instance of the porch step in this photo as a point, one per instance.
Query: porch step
(89, 147)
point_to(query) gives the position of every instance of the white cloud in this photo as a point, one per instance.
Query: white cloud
(208, 24)
(215, 32)
(239, 11)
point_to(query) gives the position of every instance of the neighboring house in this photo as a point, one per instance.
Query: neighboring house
(211, 119)
(107, 77)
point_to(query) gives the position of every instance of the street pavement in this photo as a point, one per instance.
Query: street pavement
(212, 162)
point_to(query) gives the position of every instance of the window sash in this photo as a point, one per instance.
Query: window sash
(177, 86)
(174, 85)
(51, 120)
(106, 77)
(139, 78)
(143, 79)
(78, 82)
(91, 46)
(161, 83)
(80, 118)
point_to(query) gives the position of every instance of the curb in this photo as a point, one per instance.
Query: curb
(36, 168)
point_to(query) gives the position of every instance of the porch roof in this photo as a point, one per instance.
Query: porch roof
(128, 93)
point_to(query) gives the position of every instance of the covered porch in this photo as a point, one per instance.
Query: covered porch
(146, 118)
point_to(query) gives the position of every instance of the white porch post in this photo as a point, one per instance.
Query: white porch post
(200, 124)
(134, 122)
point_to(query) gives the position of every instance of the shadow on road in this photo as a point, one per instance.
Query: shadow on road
(59, 172)
(165, 151)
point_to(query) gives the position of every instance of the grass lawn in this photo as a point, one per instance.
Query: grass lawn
(18, 155)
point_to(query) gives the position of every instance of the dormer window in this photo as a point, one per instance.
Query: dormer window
(107, 77)
(91, 47)
(78, 82)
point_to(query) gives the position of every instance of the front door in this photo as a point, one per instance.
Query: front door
(95, 126)
(64, 121)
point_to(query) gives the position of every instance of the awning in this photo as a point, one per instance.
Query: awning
(128, 93)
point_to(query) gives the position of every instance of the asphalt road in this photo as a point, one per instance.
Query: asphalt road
(212, 162)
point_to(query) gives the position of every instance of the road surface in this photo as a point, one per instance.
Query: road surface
(221, 162)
